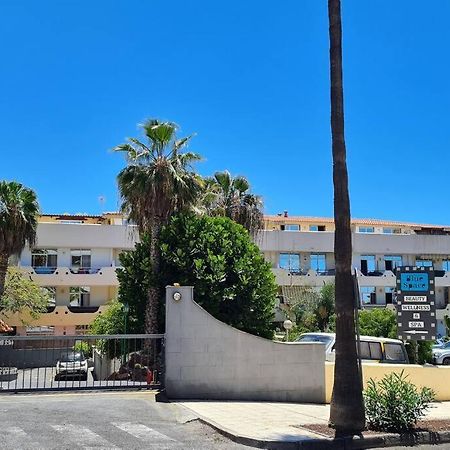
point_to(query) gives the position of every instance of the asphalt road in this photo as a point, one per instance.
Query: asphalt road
(98, 420)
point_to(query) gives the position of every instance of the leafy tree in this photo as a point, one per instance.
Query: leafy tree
(19, 211)
(347, 407)
(232, 280)
(22, 294)
(315, 310)
(378, 322)
(134, 282)
(230, 197)
(157, 182)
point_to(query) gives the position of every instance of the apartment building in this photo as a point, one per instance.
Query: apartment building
(76, 257)
(300, 250)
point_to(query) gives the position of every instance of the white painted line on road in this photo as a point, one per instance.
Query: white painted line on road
(142, 432)
(84, 437)
(18, 432)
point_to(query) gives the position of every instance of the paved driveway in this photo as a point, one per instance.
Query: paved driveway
(102, 421)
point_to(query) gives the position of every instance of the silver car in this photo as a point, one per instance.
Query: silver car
(72, 363)
(441, 354)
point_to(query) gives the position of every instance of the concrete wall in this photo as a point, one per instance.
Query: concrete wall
(434, 377)
(207, 359)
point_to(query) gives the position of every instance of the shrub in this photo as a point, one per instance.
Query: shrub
(83, 347)
(394, 403)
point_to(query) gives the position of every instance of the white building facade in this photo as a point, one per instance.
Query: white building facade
(76, 258)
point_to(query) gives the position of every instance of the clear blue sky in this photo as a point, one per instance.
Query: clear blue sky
(250, 78)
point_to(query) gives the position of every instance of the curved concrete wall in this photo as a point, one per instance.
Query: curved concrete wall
(207, 359)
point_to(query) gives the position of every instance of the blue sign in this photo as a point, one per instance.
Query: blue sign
(414, 282)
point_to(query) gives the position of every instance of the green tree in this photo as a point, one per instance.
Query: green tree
(157, 182)
(232, 280)
(347, 407)
(315, 309)
(19, 211)
(230, 197)
(21, 294)
(378, 322)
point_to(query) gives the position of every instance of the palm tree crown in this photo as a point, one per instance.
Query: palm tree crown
(158, 179)
(19, 210)
(230, 197)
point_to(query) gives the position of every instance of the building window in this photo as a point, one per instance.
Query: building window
(292, 227)
(81, 330)
(368, 295)
(389, 295)
(44, 260)
(392, 230)
(289, 261)
(80, 295)
(318, 263)
(391, 262)
(366, 229)
(424, 263)
(368, 264)
(81, 259)
(446, 265)
(51, 292)
(317, 228)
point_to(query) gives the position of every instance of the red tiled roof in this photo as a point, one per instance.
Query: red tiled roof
(4, 327)
(295, 219)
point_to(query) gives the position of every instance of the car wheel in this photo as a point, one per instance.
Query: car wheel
(446, 362)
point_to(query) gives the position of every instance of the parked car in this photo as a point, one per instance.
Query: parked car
(441, 354)
(72, 363)
(372, 348)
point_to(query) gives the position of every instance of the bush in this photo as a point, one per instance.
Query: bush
(425, 352)
(232, 280)
(395, 404)
(83, 347)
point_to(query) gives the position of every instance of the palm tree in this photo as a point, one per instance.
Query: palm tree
(231, 197)
(19, 210)
(157, 182)
(347, 408)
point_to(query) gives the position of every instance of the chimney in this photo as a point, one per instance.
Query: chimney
(285, 213)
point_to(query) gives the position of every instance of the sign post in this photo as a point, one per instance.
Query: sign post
(416, 306)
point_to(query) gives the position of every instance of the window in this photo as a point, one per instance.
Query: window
(368, 295)
(44, 260)
(368, 264)
(40, 331)
(394, 352)
(370, 350)
(391, 262)
(392, 230)
(424, 263)
(51, 291)
(81, 330)
(446, 265)
(317, 228)
(389, 295)
(289, 261)
(80, 295)
(366, 229)
(292, 227)
(81, 259)
(318, 262)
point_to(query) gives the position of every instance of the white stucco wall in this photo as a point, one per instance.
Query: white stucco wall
(207, 359)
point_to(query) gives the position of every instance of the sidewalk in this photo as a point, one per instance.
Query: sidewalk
(266, 422)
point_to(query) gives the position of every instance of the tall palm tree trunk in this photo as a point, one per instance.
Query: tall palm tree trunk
(347, 408)
(3, 270)
(154, 291)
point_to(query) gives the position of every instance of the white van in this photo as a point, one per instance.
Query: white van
(373, 349)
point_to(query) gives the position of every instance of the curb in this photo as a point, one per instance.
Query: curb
(351, 443)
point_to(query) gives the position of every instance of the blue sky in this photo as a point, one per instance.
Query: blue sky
(250, 78)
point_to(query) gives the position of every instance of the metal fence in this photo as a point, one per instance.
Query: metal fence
(81, 362)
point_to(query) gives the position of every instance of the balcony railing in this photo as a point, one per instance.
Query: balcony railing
(82, 309)
(43, 270)
(85, 270)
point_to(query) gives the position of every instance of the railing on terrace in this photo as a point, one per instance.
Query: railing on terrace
(81, 362)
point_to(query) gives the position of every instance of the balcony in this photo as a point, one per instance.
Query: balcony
(65, 276)
(285, 277)
(59, 316)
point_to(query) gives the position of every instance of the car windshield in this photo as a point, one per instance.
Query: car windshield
(72, 356)
(394, 352)
(315, 338)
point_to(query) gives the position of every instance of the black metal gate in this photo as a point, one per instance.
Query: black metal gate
(30, 363)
